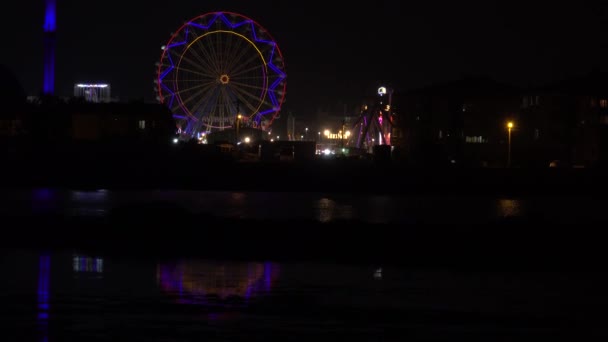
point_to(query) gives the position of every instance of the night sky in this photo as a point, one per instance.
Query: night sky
(332, 53)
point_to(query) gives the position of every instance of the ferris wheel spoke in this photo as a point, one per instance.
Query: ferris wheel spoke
(196, 96)
(200, 65)
(226, 108)
(244, 101)
(205, 107)
(260, 78)
(216, 112)
(204, 102)
(202, 85)
(245, 85)
(249, 70)
(228, 102)
(238, 69)
(207, 56)
(220, 56)
(228, 52)
(212, 54)
(243, 91)
(195, 72)
(236, 55)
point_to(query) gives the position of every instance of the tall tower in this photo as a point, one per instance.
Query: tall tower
(50, 25)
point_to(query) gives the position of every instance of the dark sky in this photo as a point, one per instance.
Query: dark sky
(333, 51)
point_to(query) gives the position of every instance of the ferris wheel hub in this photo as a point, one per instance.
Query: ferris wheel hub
(224, 79)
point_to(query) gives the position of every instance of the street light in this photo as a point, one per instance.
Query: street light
(238, 126)
(509, 127)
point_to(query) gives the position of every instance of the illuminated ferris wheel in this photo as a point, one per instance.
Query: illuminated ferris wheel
(217, 66)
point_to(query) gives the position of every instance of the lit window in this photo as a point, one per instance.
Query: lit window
(604, 103)
(142, 124)
(475, 140)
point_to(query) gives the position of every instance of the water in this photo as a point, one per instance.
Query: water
(66, 296)
(310, 206)
(69, 294)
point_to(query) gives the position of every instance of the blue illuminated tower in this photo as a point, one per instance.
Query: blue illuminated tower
(50, 18)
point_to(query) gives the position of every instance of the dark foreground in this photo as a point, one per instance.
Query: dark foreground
(127, 168)
(72, 296)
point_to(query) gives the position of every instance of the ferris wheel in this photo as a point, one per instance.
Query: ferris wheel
(217, 67)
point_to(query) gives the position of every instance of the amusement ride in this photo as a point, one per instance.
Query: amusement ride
(219, 71)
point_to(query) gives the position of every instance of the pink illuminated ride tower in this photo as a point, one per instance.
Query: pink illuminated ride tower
(50, 20)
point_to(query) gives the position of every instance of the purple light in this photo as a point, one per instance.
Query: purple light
(44, 279)
(49, 64)
(272, 90)
(266, 112)
(43, 194)
(50, 16)
(267, 276)
(50, 25)
(171, 279)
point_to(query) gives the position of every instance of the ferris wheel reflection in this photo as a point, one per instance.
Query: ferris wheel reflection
(220, 285)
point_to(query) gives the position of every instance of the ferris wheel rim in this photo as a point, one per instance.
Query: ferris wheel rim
(277, 88)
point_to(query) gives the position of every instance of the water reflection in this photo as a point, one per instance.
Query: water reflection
(84, 264)
(44, 200)
(89, 203)
(326, 209)
(140, 299)
(320, 207)
(44, 275)
(329, 210)
(509, 208)
(221, 284)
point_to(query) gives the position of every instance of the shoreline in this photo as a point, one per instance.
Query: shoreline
(315, 176)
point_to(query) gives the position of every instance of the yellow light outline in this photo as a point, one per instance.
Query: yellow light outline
(236, 34)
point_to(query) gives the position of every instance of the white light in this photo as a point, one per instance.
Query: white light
(327, 152)
(92, 85)
(382, 91)
(378, 274)
(247, 140)
(175, 141)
